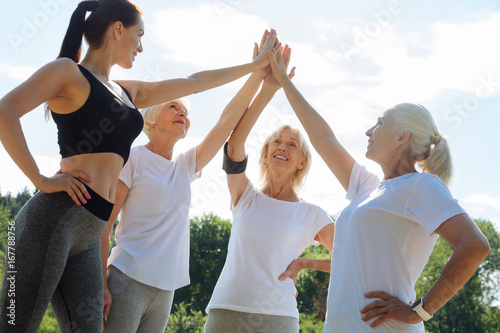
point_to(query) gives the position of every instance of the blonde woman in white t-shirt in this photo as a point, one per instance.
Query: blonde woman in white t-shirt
(385, 236)
(271, 228)
(151, 258)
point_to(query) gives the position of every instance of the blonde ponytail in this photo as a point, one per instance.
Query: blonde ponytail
(428, 148)
(439, 161)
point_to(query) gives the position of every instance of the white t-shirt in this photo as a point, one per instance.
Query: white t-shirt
(152, 238)
(266, 236)
(383, 240)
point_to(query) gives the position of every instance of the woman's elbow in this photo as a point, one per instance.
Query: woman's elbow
(480, 247)
(486, 249)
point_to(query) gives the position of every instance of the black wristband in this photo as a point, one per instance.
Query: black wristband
(232, 167)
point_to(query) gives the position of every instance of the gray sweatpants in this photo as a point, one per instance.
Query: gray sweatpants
(135, 306)
(55, 257)
(229, 321)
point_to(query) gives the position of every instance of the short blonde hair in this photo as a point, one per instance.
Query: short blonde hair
(152, 113)
(428, 148)
(300, 174)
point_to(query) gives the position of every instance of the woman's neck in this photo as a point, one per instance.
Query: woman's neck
(99, 62)
(398, 166)
(163, 146)
(280, 188)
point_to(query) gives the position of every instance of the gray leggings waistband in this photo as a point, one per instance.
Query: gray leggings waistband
(229, 321)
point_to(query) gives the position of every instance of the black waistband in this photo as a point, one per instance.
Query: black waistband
(97, 205)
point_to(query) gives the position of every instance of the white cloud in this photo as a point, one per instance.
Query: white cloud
(313, 67)
(208, 35)
(394, 64)
(483, 199)
(20, 73)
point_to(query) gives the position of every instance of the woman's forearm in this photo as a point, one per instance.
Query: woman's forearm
(459, 269)
(315, 126)
(227, 122)
(146, 94)
(322, 265)
(213, 78)
(104, 257)
(236, 150)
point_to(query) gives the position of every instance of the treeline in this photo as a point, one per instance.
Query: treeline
(473, 309)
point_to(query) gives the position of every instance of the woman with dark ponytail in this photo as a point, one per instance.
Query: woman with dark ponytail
(57, 233)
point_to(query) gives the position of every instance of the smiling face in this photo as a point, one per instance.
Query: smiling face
(173, 120)
(383, 139)
(284, 153)
(129, 43)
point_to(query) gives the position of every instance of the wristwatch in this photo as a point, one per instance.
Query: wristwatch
(418, 308)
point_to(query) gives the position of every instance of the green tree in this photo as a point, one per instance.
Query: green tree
(9, 207)
(310, 324)
(49, 322)
(471, 309)
(4, 224)
(14, 204)
(181, 321)
(209, 240)
(312, 285)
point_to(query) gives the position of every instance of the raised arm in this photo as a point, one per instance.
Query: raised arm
(121, 194)
(236, 108)
(52, 81)
(146, 94)
(236, 143)
(320, 134)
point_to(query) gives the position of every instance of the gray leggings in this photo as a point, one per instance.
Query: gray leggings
(229, 321)
(57, 259)
(135, 306)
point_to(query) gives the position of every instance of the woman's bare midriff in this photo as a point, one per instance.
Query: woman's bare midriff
(102, 168)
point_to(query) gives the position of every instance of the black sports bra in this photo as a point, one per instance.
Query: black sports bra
(104, 124)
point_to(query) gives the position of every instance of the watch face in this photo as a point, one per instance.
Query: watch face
(416, 303)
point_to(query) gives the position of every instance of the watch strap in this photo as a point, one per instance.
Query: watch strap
(419, 309)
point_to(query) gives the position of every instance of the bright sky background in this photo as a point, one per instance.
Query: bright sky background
(354, 60)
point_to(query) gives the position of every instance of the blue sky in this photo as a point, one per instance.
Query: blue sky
(354, 60)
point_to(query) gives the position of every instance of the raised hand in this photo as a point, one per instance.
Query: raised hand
(279, 66)
(270, 80)
(68, 182)
(268, 44)
(258, 47)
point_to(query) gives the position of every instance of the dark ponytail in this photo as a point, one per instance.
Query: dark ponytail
(72, 43)
(104, 14)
